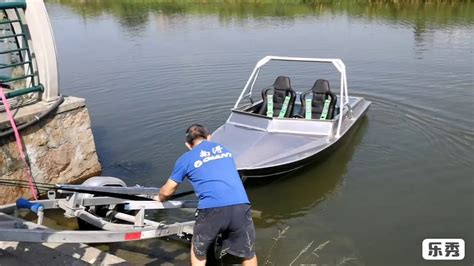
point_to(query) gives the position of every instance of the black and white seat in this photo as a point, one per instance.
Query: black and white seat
(279, 99)
(318, 102)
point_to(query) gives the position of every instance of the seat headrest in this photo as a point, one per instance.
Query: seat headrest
(321, 86)
(282, 83)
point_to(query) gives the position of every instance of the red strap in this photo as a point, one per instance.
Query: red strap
(19, 144)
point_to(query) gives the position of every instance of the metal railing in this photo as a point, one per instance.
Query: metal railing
(18, 67)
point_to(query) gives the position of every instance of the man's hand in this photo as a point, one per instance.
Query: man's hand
(166, 191)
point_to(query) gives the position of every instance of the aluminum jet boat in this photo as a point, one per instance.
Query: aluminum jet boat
(285, 129)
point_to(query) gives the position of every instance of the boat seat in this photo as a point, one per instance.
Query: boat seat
(283, 95)
(321, 95)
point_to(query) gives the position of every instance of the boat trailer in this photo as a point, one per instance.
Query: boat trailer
(105, 203)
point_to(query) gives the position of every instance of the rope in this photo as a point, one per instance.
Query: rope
(19, 144)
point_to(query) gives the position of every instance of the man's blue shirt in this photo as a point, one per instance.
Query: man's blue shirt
(212, 172)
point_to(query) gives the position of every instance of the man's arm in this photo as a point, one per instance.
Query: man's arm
(166, 190)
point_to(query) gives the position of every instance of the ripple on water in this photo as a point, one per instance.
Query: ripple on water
(444, 137)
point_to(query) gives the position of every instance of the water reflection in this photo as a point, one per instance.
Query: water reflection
(439, 13)
(294, 195)
(420, 16)
(134, 22)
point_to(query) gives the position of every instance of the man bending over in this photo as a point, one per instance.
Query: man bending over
(223, 208)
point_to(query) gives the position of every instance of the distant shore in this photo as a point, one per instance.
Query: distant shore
(439, 12)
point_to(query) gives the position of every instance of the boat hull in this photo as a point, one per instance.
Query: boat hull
(280, 170)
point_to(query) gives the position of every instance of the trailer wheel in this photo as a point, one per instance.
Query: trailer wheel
(101, 210)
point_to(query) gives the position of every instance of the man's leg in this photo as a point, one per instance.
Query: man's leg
(206, 229)
(197, 261)
(239, 239)
(250, 262)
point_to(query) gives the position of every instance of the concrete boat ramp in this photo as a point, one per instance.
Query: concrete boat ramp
(16, 253)
(23, 253)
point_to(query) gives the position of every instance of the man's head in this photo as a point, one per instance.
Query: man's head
(195, 134)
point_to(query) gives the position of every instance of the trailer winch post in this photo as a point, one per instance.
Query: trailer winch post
(140, 217)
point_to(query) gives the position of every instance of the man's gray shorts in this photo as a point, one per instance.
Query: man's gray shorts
(235, 225)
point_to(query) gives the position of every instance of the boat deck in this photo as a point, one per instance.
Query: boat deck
(265, 148)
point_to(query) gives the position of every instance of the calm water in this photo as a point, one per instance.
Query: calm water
(149, 69)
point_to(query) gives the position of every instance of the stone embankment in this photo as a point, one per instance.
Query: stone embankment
(60, 148)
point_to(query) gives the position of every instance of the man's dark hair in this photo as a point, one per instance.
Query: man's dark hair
(196, 131)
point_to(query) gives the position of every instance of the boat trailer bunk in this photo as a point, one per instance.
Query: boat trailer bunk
(122, 219)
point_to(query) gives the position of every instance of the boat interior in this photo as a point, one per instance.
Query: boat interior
(317, 103)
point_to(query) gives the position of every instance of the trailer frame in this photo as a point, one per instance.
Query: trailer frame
(78, 205)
